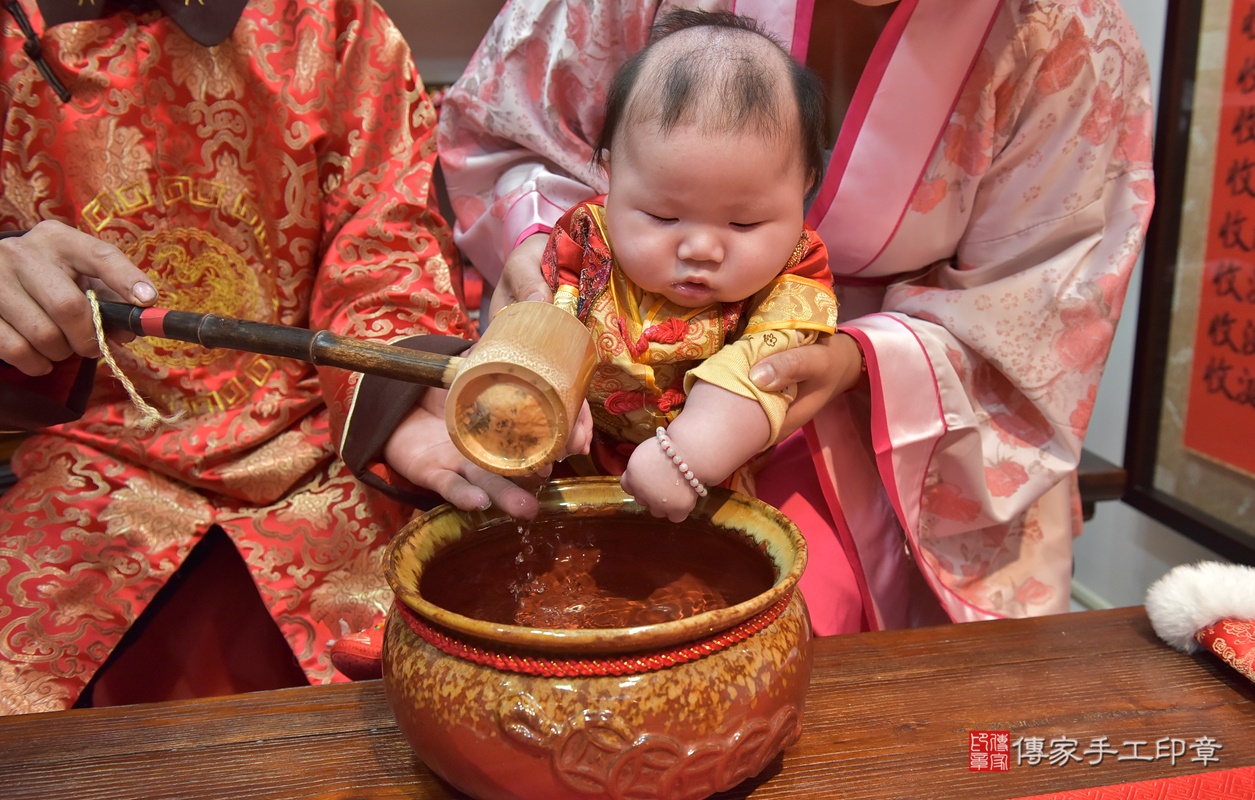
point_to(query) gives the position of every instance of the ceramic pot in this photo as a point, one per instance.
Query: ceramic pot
(674, 710)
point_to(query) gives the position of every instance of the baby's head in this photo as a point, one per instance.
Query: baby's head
(723, 74)
(712, 141)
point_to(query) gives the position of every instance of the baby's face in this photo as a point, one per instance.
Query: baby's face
(702, 218)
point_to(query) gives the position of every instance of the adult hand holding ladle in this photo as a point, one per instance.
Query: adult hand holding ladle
(44, 315)
(512, 402)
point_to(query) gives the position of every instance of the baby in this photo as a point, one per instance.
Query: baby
(696, 263)
(693, 266)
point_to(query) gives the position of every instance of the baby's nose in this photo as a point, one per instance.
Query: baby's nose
(701, 245)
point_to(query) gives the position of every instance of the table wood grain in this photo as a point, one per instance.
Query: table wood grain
(887, 716)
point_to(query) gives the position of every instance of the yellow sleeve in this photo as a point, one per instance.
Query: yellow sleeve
(730, 369)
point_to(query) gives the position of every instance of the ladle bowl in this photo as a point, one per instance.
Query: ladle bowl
(676, 709)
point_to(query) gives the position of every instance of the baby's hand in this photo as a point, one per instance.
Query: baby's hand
(652, 478)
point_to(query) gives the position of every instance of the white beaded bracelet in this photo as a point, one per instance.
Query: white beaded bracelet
(668, 449)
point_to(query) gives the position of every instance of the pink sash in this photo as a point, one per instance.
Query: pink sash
(896, 119)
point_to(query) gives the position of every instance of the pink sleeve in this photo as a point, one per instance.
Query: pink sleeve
(1017, 327)
(516, 131)
(984, 370)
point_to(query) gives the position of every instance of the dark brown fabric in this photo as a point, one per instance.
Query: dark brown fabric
(381, 405)
(30, 403)
(209, 24)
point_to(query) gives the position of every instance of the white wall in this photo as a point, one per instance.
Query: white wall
(1123, 551)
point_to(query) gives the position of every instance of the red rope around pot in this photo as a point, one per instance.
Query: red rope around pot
(591, 667)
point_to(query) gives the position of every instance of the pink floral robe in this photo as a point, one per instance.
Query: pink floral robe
(989, 189)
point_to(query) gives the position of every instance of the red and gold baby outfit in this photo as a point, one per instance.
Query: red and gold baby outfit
(651, 351)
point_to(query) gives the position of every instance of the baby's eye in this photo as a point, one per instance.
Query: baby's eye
(745, 226)
(657, 218)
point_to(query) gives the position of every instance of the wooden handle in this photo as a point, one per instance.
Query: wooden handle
(315, 347)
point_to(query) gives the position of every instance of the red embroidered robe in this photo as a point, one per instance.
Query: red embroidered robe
(282, 176)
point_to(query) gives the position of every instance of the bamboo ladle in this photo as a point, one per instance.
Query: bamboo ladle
(512, 399)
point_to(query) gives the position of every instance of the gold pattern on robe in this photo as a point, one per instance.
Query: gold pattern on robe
(33, 692)
(71, 604)
(271, 469)
(56, 475)
(149, 515)
(354, 594)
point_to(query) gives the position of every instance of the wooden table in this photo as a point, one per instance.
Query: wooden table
(887, 716)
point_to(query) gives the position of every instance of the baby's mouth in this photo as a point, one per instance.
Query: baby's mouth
(696, 290)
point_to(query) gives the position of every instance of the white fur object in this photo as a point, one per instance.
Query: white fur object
(1192, 596)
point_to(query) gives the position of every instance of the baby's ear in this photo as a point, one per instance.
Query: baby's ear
(605, 163)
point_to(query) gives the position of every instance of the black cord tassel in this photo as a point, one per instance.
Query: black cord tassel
(34, 50)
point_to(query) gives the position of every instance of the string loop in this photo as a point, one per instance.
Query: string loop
(150, 417)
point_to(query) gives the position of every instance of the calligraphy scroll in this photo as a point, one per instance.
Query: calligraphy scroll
(1220, 418)
(1190, 449)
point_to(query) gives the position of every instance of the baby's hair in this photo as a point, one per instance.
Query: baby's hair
(742, 89)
